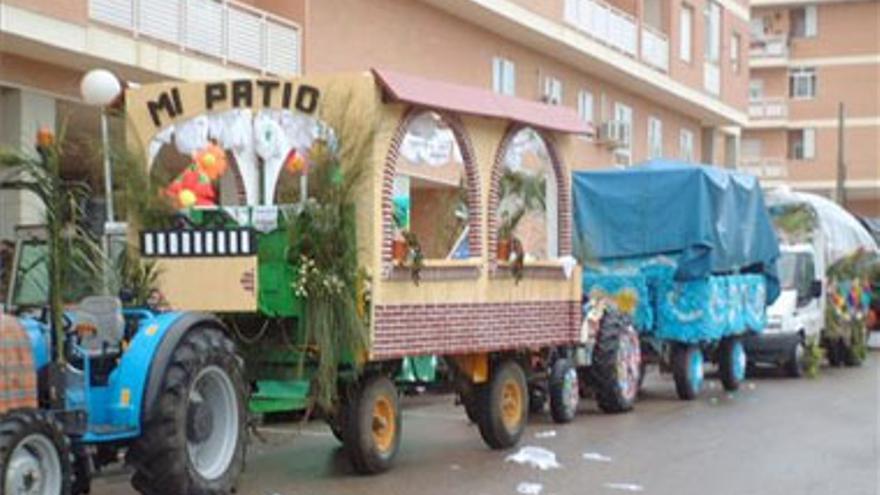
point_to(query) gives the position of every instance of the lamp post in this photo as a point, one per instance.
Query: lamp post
(100, 88)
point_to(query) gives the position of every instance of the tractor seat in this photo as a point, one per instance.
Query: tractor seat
(100, 325)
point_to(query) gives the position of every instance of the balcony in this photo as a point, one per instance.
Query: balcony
(655, 48)
(771, 168)
(768, 108)
(228, 31)
(606, 24)
(769, 46)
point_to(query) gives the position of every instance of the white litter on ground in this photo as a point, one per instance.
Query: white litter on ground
(538, 457)
(545, 434)
(526, 488)
(455, 467)
(752, 386)
(595, 456)
(627, 487)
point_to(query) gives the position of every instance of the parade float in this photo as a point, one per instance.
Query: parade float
(688, 252)
(848, 268)
(339, 225)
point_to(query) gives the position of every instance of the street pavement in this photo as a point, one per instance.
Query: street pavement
(774, 436)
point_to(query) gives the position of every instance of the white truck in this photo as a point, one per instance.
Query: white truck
(795, 319)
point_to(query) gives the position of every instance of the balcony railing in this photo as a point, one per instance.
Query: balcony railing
(605, 23)
(222, 29)
(655, 48)
(764, 167)
(769, 46)
(768, 108)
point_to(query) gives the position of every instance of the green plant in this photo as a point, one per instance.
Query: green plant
(140, 198)
(75, 261)
(520, 193)
(137, 278)
(415, 259)
(813, 358)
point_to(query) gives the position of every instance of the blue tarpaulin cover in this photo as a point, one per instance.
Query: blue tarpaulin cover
(709, 220)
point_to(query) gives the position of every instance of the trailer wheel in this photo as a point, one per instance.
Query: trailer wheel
(564, 391)
(194, 441)
(34, 455)
(687, 370)
(794, 366)
(503, 406)
(732, 363)
(469, 402)
(372, 428)
(616, 371)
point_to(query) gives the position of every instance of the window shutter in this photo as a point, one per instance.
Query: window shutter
(809, 144)
(686, 23)
(811, 24)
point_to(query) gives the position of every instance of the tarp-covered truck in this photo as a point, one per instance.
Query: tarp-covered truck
(688, 252)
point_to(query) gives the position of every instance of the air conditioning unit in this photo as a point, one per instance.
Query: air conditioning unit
(614, 133)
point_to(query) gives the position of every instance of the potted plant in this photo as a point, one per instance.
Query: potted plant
(521, 193)
(407, 251)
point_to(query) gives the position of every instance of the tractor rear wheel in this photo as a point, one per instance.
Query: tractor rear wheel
(372, 426)
(34, 455)
(616, 369)
(194, 440)
(503, 405)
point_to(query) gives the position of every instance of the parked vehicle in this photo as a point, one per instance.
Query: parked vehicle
(844, 255)
(689, 253)
(796, 318)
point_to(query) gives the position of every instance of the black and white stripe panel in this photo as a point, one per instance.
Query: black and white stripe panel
(184, 243)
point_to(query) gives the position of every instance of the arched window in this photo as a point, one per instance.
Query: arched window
(527, 208)
(431, 198)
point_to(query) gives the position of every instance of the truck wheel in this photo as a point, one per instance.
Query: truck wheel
(616, 370)
(687, 370)
(732, 363)
(564, 391)
(34, 455)
(194, 441)
(503, 406)
(794, 366)
(372, 428)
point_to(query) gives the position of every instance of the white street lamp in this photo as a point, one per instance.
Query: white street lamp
(100, 87)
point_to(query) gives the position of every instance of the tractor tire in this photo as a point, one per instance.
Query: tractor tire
(372, 426)
(564, 391)
(732, 363)
(795, 364)
(616, 369)
(194, 440)
(337, 424)
(503, 405)
(687, 370)
(538, 399)
(82, 471)
(35, 455)
(835, 352)
(469, 402)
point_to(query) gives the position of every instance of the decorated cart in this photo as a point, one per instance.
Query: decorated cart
(688, 252)
(338, 225)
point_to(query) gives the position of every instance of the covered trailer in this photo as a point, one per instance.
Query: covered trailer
(688, 251)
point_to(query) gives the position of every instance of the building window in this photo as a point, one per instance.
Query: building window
(585, 106)
(685, 32)
(712, 15)
(552, 92)
(802, 144)
(686, 145)
(655, 137)
(734, 52)
(802, 83)
(623, 117)
(804, 22)
(751, 149)
(756, 89)
(503, 76)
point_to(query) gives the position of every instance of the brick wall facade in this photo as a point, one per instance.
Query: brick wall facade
(459, 328)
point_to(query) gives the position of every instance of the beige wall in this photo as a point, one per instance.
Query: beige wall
(69, 10)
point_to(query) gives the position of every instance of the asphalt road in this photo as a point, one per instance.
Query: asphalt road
(774, 436)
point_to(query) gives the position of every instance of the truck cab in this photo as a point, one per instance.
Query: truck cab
(795, 319)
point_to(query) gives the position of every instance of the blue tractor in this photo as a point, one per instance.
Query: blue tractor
(166, 389)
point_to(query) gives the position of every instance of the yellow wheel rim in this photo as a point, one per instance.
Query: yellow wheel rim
(511, 404)
(384, 424)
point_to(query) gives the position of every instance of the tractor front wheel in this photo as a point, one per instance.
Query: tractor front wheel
(372, 426)
(564, 391)
(687, 370)
(616, 369)
(732, 363)
(34, 455)
(194, 440)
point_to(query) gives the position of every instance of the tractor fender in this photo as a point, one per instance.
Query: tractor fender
(18, 377)
(162, 356)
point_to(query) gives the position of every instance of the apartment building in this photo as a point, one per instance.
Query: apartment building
(654, 78)
(806, 59)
